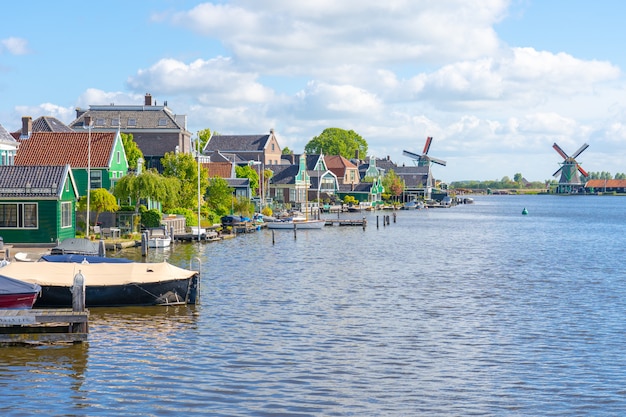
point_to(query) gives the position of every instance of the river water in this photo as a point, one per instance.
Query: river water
(471, 310)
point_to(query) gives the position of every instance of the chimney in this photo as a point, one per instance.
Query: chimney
(148, 100)
(87, 121)
(80, 112)
(272, 131)
(27, 127)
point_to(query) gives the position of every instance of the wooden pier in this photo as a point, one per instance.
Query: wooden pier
(38, 326)
(346, 222)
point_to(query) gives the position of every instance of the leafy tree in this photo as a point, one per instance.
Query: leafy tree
(518, 178)
(133, 153)
(350, 200)
(393, 183)
(219, 196)
(147, 185)
(247, 171)
(335, 141)
(101, 200)
(287, 151)
(184, 168)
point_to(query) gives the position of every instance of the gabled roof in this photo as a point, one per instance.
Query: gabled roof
(338, 162)
(49, 124)
(284, 174)
(5, 137)
(32, 181)
(237, 143)
(48, 148)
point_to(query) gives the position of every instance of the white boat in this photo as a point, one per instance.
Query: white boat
(159, 242)
(297, 224)
(159, 238)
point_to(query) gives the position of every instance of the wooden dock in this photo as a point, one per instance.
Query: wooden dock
(39, 326)
(346, 222)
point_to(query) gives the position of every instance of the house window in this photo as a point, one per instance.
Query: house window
(118, 157)
(66, 214)
(67, 186)
(18, 215)
(100, 121)
(96, 179)
(162, 121)
(4, 159)
(132, 122)
(115, 122)
(272, 147)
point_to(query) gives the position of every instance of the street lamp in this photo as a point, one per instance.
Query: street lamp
(87, 121)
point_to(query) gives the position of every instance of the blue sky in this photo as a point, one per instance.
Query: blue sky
(495, 85)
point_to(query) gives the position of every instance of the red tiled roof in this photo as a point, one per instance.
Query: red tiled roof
(60, 148)
(606, 183)
(337, 164)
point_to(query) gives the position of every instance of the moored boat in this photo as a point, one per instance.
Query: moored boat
(297, 224)
(17, 294)
(109, 284)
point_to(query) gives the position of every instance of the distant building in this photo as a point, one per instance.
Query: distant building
(157, 130)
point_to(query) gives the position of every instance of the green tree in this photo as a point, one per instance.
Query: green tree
(184, 168)
(335, 141)
(287, 151)
(219, 196)
(247, 171)
(101, 200)
(393, 183)
(133, 153)
(147, 185)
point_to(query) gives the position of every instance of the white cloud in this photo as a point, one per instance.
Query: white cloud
(213, 81)
(14, 46)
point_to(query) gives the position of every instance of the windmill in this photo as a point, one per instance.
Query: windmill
(570, 180)
(424, 160)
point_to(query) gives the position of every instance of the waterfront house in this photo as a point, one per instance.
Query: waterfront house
(157, 130)
(258, 148)
(37, 204)
(605, 186)
(101, 153)
(346, 172)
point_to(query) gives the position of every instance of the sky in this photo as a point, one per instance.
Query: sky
(494, 84)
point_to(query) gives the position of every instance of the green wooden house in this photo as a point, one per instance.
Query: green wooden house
(100, 153)
(37, 204)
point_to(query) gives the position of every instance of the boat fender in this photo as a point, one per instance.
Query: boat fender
(524, 212)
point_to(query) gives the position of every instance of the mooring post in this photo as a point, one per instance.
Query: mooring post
(394, 217)
(364, 222)
(273, 240)
(377, 221)
(78, 292)
(101, 249)
(172, 233)
(144, 244)
(295, 228)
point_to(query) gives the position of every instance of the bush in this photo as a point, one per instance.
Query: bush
(191, 218)
(151, 218)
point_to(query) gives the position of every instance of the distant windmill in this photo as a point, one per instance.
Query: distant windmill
(570, 180)
(424, 160)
